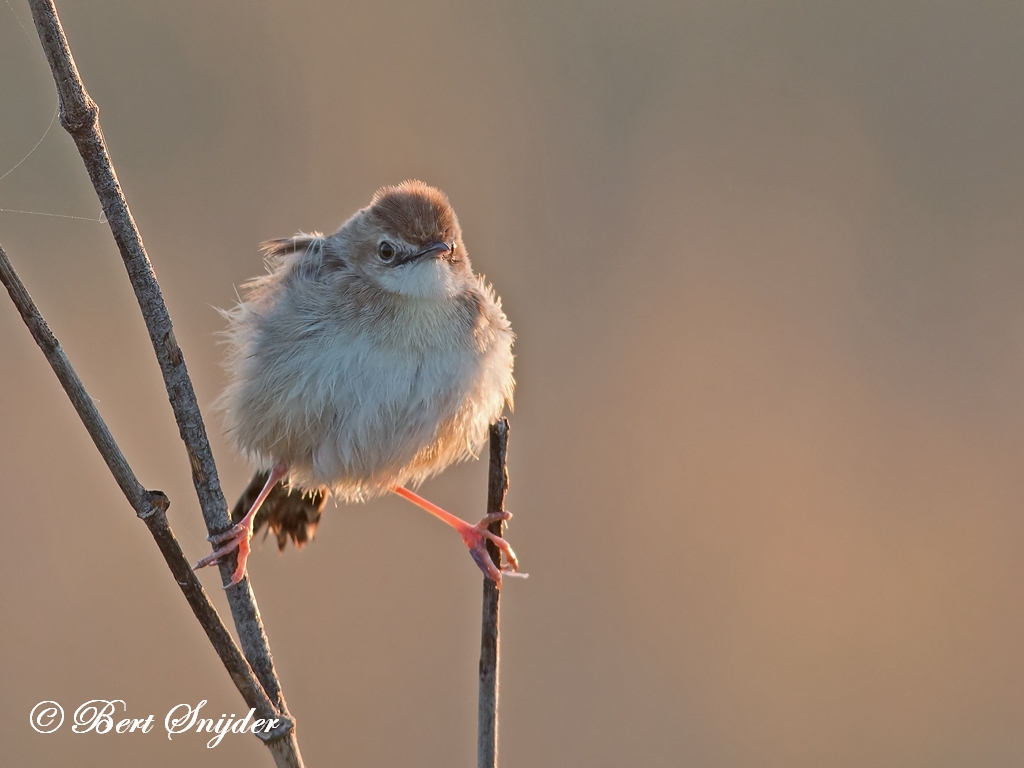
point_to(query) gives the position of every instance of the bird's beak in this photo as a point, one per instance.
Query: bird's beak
(432, 250)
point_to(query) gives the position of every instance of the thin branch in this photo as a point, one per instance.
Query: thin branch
(487, 711)
(80, 117)
(150, 506)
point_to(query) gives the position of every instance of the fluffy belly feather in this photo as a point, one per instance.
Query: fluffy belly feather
(360, 417)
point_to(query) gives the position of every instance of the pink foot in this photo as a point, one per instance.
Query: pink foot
(235, 537)
(475, 537)
(238, 535)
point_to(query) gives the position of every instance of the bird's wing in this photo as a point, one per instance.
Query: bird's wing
(283, 246)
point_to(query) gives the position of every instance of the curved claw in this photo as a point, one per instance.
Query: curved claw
(493, 517)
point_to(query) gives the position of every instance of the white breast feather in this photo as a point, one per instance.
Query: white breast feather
(360, 409)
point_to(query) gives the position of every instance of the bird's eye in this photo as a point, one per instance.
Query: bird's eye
(386, 251)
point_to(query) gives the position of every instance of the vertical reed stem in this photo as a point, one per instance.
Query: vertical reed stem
(487, 716)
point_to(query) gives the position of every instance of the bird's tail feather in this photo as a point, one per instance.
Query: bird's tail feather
(287, 513)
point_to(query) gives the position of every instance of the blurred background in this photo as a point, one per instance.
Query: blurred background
(764, 262)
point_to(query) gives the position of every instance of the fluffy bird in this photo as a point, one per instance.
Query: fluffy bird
(362, 363)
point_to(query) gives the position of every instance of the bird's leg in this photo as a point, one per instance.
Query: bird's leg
(238, 535)
(474, 536)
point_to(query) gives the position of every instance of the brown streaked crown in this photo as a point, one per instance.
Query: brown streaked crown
(416, 212)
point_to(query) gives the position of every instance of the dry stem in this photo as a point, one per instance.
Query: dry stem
(80, 117)
(150, 506)
(487, 711)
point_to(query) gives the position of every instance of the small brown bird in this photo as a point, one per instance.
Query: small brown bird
(365, 361)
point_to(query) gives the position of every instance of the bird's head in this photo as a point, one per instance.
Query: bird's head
(408, 241)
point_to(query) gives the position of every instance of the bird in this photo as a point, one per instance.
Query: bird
(363, 363)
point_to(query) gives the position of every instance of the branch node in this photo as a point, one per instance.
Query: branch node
(286, 724)
(85, 118)
(157, 504)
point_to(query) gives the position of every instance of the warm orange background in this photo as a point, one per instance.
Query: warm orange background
(765, 265)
